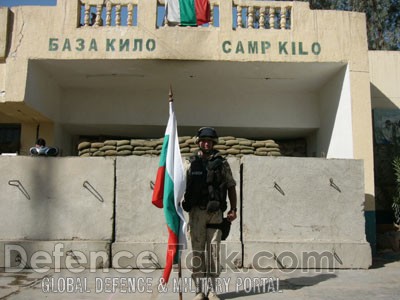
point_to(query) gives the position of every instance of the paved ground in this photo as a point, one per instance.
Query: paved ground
(381, 281)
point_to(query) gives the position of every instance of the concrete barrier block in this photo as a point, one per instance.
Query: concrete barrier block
(296, 200)
(66, 198)
(137, 219)
(303, 199)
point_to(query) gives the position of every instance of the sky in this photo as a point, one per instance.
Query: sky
(27, 2)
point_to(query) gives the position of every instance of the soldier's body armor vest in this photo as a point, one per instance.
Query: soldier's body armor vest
(205, 183)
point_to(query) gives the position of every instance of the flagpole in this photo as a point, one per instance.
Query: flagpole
(180, 277)
(171, 99)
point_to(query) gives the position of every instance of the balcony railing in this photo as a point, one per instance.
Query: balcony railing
(246, 14)
(97, 13)
(262, 14)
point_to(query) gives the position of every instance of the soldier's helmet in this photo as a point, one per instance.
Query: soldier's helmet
(207, 133)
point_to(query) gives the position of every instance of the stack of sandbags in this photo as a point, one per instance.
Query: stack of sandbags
(187, 145)
(84, 149)
(146, 147)
(240, 146)
(267, 148)
(120, 147)
(106, 148)
(227, 145)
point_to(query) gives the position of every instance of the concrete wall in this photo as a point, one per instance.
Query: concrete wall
(44, 92)
(87, 204)
(335, 135)
(385, 77)
(384, 69)
(268, 110)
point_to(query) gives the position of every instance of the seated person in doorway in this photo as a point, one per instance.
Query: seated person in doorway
(40, 149)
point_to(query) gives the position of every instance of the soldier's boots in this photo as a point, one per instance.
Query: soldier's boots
(200, 296)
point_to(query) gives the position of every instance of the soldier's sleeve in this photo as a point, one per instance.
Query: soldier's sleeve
(228, 175)
(186, 167)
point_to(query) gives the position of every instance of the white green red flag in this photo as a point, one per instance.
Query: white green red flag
(188, 12)
(168, 193)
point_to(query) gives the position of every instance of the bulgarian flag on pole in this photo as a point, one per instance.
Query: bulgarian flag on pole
(188, 12)
(168, 192)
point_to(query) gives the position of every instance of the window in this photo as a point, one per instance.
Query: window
(10, 135)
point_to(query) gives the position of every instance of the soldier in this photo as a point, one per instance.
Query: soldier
(209, 180)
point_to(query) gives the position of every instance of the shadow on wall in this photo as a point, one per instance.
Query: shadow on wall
(380, 100)
(10, 29)
(43, 200)
(370, 222)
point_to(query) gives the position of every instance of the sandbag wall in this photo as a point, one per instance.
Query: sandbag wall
(227, 145)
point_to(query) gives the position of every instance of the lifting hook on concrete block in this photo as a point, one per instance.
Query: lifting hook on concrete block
(336, 256)
(152, 260)
(332, 184)
(19, 185)
(92, 190)
(281, 266)
(72, 254)
(276, 186)
(151, 185)
(19, 260)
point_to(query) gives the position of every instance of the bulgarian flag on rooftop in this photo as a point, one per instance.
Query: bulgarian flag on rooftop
(168, 192)
(188, 12)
